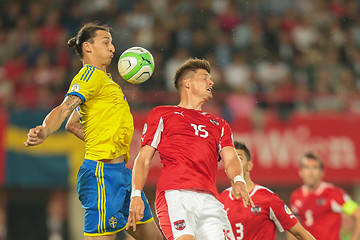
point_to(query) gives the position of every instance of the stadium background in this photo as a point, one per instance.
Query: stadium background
(286, 73)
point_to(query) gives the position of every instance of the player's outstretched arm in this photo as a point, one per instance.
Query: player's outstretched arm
(356, 215)
(53, 121)
(299, 232)
(233, 169)
(139, 176)
(74, 126)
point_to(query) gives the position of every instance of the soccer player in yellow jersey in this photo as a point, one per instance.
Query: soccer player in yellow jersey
(105, 123)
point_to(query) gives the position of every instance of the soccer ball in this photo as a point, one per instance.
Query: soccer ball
(136, 65)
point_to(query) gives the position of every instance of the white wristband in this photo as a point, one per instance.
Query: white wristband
(135, 193)
(239, 178)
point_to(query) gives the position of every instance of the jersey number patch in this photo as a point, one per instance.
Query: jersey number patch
(309, 218)
(200, 130)
(239, 231)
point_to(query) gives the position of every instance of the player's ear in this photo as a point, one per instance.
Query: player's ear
(186, 82)
(250, 165)
(87, 47)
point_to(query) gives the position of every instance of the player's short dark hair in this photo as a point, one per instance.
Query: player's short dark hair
(313, 156)
(242, 146)
(86, 34)
(191, 65)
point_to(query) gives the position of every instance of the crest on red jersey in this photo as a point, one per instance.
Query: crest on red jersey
(256, 210)
(321, 201)
(179, 225)
(214, 122)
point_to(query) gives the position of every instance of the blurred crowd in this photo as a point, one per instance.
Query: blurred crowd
(281, 55)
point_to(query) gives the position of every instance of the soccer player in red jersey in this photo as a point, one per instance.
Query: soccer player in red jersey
(258, 223)
(190, 143)
(319, 204)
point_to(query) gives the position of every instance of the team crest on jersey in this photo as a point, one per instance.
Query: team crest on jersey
(214, 122)
(256, 210)
(320, 202)
(179, 225)
(144, 129)
(75, 88)
(113, 222)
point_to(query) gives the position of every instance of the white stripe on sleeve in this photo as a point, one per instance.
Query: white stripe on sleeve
(157, 135)
(276, 221)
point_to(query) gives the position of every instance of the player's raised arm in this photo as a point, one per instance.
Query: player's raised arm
(52, 121)
(139, 176)
(234, 171)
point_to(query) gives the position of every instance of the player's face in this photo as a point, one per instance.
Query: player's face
(311, 172)
(102, 47)
(202, 84)
(246, 165)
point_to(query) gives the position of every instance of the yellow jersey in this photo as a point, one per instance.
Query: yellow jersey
(105, 114)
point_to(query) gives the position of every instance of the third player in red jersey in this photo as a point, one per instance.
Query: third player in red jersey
(259, 222)
(319, 205)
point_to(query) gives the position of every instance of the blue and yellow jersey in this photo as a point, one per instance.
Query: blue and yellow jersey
(105, 114)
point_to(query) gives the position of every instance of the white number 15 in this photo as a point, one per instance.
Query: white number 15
(200, 130)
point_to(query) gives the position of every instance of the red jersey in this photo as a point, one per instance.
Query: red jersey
(257, 223)
(189, 142)
(320, 211)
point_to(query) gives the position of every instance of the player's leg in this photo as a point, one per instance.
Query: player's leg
(146, 228)
(186, 237)
(175, 210)
(213, 222)
(102, 190)
(144, 231)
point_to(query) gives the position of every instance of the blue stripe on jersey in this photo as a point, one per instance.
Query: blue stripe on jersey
(88, 69)
(90, 74)
(77, 94)
(85, 72)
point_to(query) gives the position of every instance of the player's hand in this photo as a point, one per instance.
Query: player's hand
(136, 212)
(239, 190)
(35, 136)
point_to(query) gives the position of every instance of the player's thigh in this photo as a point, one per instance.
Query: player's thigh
(174, 211)
(186, 237)
(146, 231)
(213, 222)
(103, 189)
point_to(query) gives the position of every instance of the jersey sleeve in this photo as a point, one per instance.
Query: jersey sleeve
(153, 129)
(280, 214)
(86, 84)
(292, 203)
(340, 196)
(226, 138)
(343, 202)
